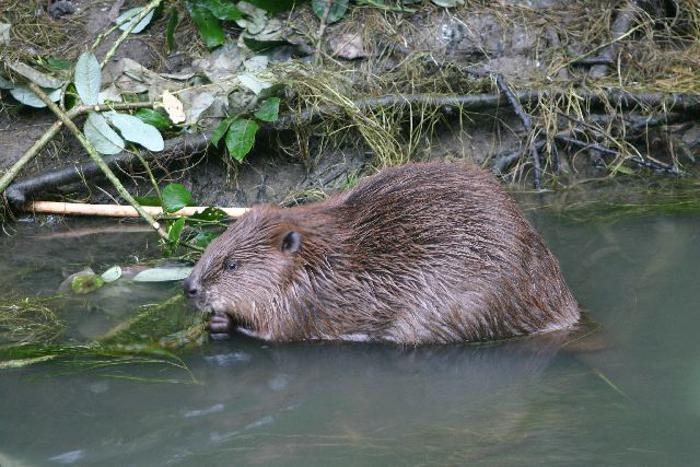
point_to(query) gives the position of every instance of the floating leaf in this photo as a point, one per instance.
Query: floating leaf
(27, 97)
(269, 110)
(85, 283)
(135, 130)
(174, 107)
(128, 18)
(155, 118)
(163, 274)
(175, 197)
(208, 26)
(111, 274)
(100, 135)
(170, 29)
(35, 76)
(336, 12)
(220, 130)
(222, 9)
(240, 138)
(88, 78)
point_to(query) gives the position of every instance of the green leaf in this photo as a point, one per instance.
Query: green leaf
(336, 12)
(262, 46)
(100, 135)
(58, 63)
(125, 22)
(86, 283)
(269, 109)
(175, 197)
(175, 231)
(163, 274)
(240, 138)
(170, 29)
(88, 78)
(27, 97)
(222, 9)
(111, 274)
(273, 6)
(203, 239)
(148, 200)
(210, 214)
(208, 26)
(220, 130)
(135, 130)
(155, 118)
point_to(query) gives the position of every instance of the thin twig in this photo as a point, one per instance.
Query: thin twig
(135, 20)
(98, 159)
(321, 31)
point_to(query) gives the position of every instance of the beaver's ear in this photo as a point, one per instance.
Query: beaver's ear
(291, 243)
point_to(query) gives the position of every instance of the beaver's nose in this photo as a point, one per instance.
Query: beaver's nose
(190, 287)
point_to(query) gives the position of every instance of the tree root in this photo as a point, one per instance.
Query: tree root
(680, 107)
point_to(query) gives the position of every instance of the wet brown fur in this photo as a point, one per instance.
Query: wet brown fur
(423, 253)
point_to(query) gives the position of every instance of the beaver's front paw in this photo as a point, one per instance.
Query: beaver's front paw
(220, 326)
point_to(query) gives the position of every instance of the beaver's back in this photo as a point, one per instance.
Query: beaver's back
(445, 248)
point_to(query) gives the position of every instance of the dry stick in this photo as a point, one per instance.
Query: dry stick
(527, 124)
(115, 210)
(98, 160)
(29, 154)
(619, 29)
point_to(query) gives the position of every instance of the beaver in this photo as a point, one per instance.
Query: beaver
(417, 254)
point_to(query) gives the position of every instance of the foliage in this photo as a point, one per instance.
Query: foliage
(30, 330)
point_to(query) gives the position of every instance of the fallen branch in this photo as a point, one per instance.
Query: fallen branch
(97, 159)
(679, 102)
(115, 210)
(19, 192)
(29, 154)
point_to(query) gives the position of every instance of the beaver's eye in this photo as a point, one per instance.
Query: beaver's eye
(230, 264)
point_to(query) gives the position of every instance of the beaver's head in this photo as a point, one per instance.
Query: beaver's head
(245, 271)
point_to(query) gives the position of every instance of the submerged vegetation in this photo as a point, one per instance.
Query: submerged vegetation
(30, 332)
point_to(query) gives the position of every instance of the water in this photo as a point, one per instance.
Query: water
(635, 401)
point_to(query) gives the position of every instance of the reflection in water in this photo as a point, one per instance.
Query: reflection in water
(633, 401)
